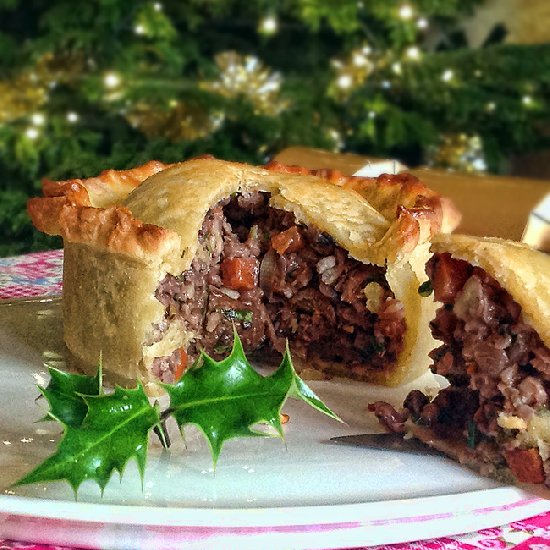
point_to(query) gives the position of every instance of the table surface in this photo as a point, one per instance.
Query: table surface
(39, 274)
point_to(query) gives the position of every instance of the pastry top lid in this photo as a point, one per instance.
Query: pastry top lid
(158, 209)
(388, 192)
(521, 270)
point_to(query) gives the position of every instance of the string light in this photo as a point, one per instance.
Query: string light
(396, 67)
(527, 100)
(111, 80)
(422, 23)
(447, 75)
(413, 53)
(345, 81)
(479, 165)
(359, 59)
(72, 117)
(490, 107)
(405, 11)
(336, 137)
(217, 119)
(157, 6)
(371, 114)
(32, 132)
(352, 71)
(268, 25)
(38, 119)
(139, 29)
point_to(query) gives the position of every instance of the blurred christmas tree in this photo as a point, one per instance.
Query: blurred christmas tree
(90, 85)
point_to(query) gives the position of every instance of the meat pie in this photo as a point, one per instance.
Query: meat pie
(494, 325)
(157, 271)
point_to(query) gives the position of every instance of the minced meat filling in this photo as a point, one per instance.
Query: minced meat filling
(494, 362)
(276, 280)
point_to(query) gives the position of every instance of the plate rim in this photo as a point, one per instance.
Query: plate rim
(496, 500)
(247, 528)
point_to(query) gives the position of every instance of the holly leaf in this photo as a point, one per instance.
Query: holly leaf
(226, 399)
(300, 390)
(114, 430)
(65, 395)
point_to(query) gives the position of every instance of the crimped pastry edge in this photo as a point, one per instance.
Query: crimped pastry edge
(415, 212)
(388, 192)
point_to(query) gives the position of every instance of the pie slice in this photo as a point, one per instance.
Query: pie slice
(494, 325)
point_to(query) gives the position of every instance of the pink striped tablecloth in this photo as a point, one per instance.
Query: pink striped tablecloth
(39, 274)
(36, 274)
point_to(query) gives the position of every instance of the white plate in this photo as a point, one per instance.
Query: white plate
(309, 493)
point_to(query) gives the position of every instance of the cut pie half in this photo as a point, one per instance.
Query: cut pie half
(156, 271)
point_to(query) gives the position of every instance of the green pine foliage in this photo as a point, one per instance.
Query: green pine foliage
(164, 51)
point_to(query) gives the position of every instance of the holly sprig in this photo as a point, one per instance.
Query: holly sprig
(103, 431)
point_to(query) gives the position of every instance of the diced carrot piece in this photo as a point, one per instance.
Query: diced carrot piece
(448, 278)
(526, 465)
(471, 368)
(182, 365)
(240, 273)
(287, 241)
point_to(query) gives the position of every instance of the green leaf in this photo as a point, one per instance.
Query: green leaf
(226, 398)
(115, 429)
(65, 394)
(300, 390)
(471, 434)
(244, 315)
(425, 289)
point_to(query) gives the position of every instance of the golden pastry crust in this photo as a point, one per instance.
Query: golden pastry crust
(390, 194)
(107, 189)
(521, 270)
(155, 231)
(71, 203)
(87, 211)
(113, 229)
(416, 212)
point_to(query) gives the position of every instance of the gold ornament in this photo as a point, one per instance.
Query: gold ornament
(27, 91)
(460, 152)
(245, 75)
(20, 96)
(179, 122)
